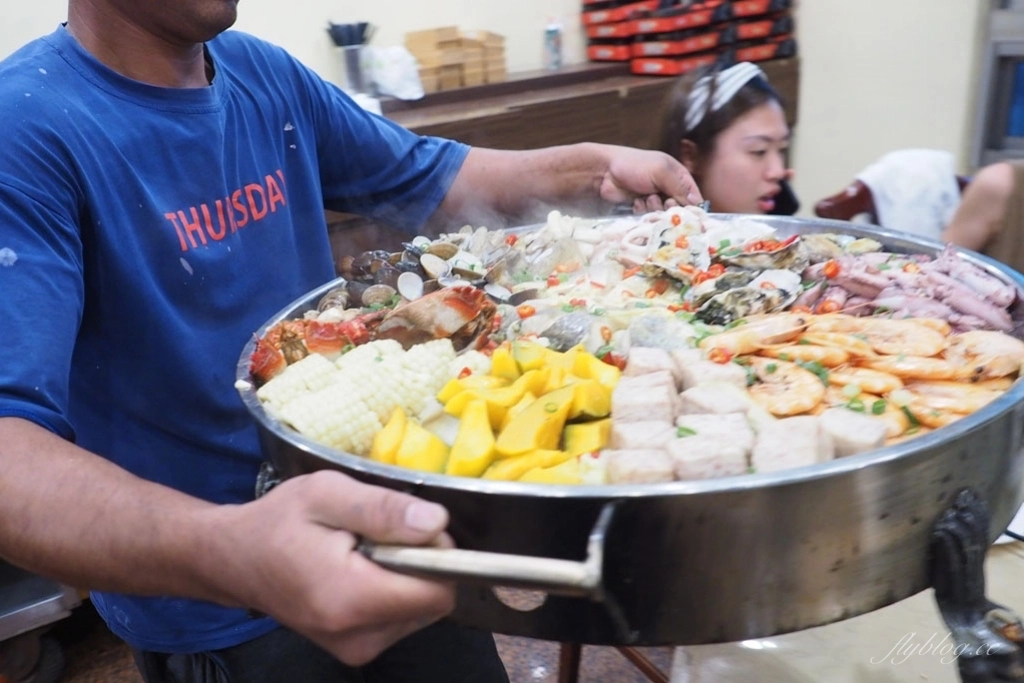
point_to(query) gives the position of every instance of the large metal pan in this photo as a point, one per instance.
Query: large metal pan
(699, 562)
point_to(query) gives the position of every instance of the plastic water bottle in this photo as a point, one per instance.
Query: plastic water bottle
(553, 47)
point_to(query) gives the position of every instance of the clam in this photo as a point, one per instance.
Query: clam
(444, 250)
(355, 290)
(452, 281)
(498, 292)
(378, 295)
(523, 296)
(435, 266)
(410, 286)
(344, 265)
(336, 298)
(361, 264)
(467, 266)
(387, 274)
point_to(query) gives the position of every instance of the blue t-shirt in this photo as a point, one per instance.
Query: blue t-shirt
(145, 234)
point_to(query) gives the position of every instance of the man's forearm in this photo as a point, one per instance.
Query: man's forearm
(72, 516)
(498, 186)
(495, 188)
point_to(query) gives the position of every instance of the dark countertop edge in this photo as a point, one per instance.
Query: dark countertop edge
(516, 83)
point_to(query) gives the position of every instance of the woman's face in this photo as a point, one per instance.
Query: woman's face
(745, 169)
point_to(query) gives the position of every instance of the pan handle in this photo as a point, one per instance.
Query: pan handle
(556, 577)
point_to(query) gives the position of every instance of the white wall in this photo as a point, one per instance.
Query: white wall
(877, 75)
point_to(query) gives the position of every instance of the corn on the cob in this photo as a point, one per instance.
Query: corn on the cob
(312, 373)
(370, 353)
(477, 363)
(335, 416)
(345, 405)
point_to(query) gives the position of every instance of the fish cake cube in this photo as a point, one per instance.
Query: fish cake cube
(714, 397)
(644, 398)
(852, 432)
(791, 442)
(694, 370)
(642, 360)
(711, 446)
(648, 434)
(639, 466)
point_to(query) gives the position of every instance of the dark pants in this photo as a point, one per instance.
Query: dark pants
(441, 653)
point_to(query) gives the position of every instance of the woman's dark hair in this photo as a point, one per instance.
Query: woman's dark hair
(672, 131)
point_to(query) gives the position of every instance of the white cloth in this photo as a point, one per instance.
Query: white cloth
(727, 84)
(914, 190)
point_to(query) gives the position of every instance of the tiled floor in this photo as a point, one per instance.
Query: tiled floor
(94, 655)
(901, 643)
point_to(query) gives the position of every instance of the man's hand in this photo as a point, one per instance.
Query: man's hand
(294, 558)
(498, 187)
(649, 180)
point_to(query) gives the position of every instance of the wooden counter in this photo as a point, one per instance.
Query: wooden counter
(584, 103)
(587, 103)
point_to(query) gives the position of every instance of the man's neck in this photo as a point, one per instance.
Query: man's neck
(135, 53)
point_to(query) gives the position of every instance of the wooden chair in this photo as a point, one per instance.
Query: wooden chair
(857, 200)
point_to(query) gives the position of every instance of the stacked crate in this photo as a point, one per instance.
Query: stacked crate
(491, 48)
(678, 38)
(449, 58)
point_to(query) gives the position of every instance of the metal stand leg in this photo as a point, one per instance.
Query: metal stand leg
(569, 662)
(990, 638)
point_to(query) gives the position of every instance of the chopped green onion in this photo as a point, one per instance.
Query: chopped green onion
(856, 404)
(817, 368)
(878, 407)
(771, 368)
(851, 391)
(685, 431)
(914, 423)
(551, 407)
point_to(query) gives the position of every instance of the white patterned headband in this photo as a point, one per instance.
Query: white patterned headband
(727, 84)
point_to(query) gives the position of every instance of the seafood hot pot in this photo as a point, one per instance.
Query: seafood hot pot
(688, 563)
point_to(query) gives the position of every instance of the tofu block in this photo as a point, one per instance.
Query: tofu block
(714, 397)
(693, 370)
(642, 360)
(852, 432)
(791, 442)
(644, 466)
(645, 398)
(629, 436)
(719, 446)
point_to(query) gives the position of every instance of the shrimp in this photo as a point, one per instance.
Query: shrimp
(896, 421)
(835, 322)
(938, 324)
(913, 367)
(955, 397)
(872, 381)
(829, 356)
(909, 434)
(895, 337)
(931, 417)
(984, 354)
(755, 332)
(850, 343)
(785, 388)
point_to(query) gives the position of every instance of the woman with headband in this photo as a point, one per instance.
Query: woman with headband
(728, 128)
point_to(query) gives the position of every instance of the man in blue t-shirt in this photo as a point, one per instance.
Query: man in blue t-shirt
(162, 187)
